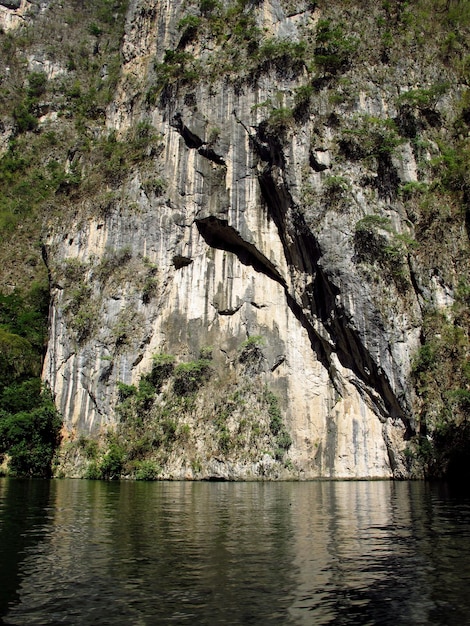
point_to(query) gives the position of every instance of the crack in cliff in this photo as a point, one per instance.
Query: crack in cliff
(229, 310)
(278, 362)
(180, 261)
(316, 164)
(94, 401)
(194, 142)
(303, 253)
(235, 309)
(261, 148)
(209, 153)
(218, 234)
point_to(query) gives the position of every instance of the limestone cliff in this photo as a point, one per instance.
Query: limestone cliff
(242, 292)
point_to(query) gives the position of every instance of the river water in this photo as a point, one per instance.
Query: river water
(373, 552)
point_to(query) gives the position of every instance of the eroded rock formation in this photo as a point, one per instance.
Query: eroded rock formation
(263, 227)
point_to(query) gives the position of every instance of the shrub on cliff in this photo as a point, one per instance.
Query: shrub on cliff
(190, 376)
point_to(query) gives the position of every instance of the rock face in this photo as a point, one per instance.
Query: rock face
(11, 13)
(252, 230)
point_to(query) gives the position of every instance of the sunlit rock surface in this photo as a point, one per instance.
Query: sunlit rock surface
(244, 235)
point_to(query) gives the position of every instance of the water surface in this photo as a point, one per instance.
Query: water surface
(84, 552)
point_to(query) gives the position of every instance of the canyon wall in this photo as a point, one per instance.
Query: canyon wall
(260, 245)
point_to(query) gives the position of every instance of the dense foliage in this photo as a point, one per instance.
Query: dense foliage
(29, 422)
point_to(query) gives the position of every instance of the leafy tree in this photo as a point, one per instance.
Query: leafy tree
(30, 438)
(29, 422)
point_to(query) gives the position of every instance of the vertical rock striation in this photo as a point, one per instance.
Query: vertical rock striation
(251, 219)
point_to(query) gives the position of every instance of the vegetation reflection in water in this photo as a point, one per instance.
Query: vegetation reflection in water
(82, 552)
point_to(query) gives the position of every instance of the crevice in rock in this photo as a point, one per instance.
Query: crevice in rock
(320, 346)
(137, 360)
(279, 361)
(319, 298)
(315, 164)
(11, 4)
(218, 234)
(145, 341)
(229, 310)
(187, 37)
(106, 373)
(387, 180)
(194, 142)
(190, 138)
(180, 261)
(92, 397)
(261, 148)
(295, 13)
(420, 296)
(210, 154)
(45, 260)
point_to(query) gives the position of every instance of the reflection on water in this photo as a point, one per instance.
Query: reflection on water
(81, 552)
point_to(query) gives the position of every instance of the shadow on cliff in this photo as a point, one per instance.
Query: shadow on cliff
(318, 299)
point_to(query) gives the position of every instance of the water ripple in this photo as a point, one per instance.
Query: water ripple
(79, 552)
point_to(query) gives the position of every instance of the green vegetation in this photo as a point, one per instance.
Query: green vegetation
(283, 440)
(29, 422)
(279, 121)
(282, 54)
(23, 325)
(162, 368)
(376, 243)
(369, 136)
(26, 181)
(178, 66)
(30, 437)
(26, 112)
(423, 98)
(251, 354)
(147, 470)
(441, 375)
(87, 283)
(112, 260)
(451, 168)
(51, 121)
(334, 50)
(253, 342)
(91, 40)
(173, 407)
(336, 187)
(190, 376)
(241, 49)
(302, 97)
(147, 429)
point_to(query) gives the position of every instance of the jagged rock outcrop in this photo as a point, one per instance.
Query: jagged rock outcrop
(11, 13)
(264, 211)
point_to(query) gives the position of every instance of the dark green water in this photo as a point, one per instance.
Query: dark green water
(81, 552)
